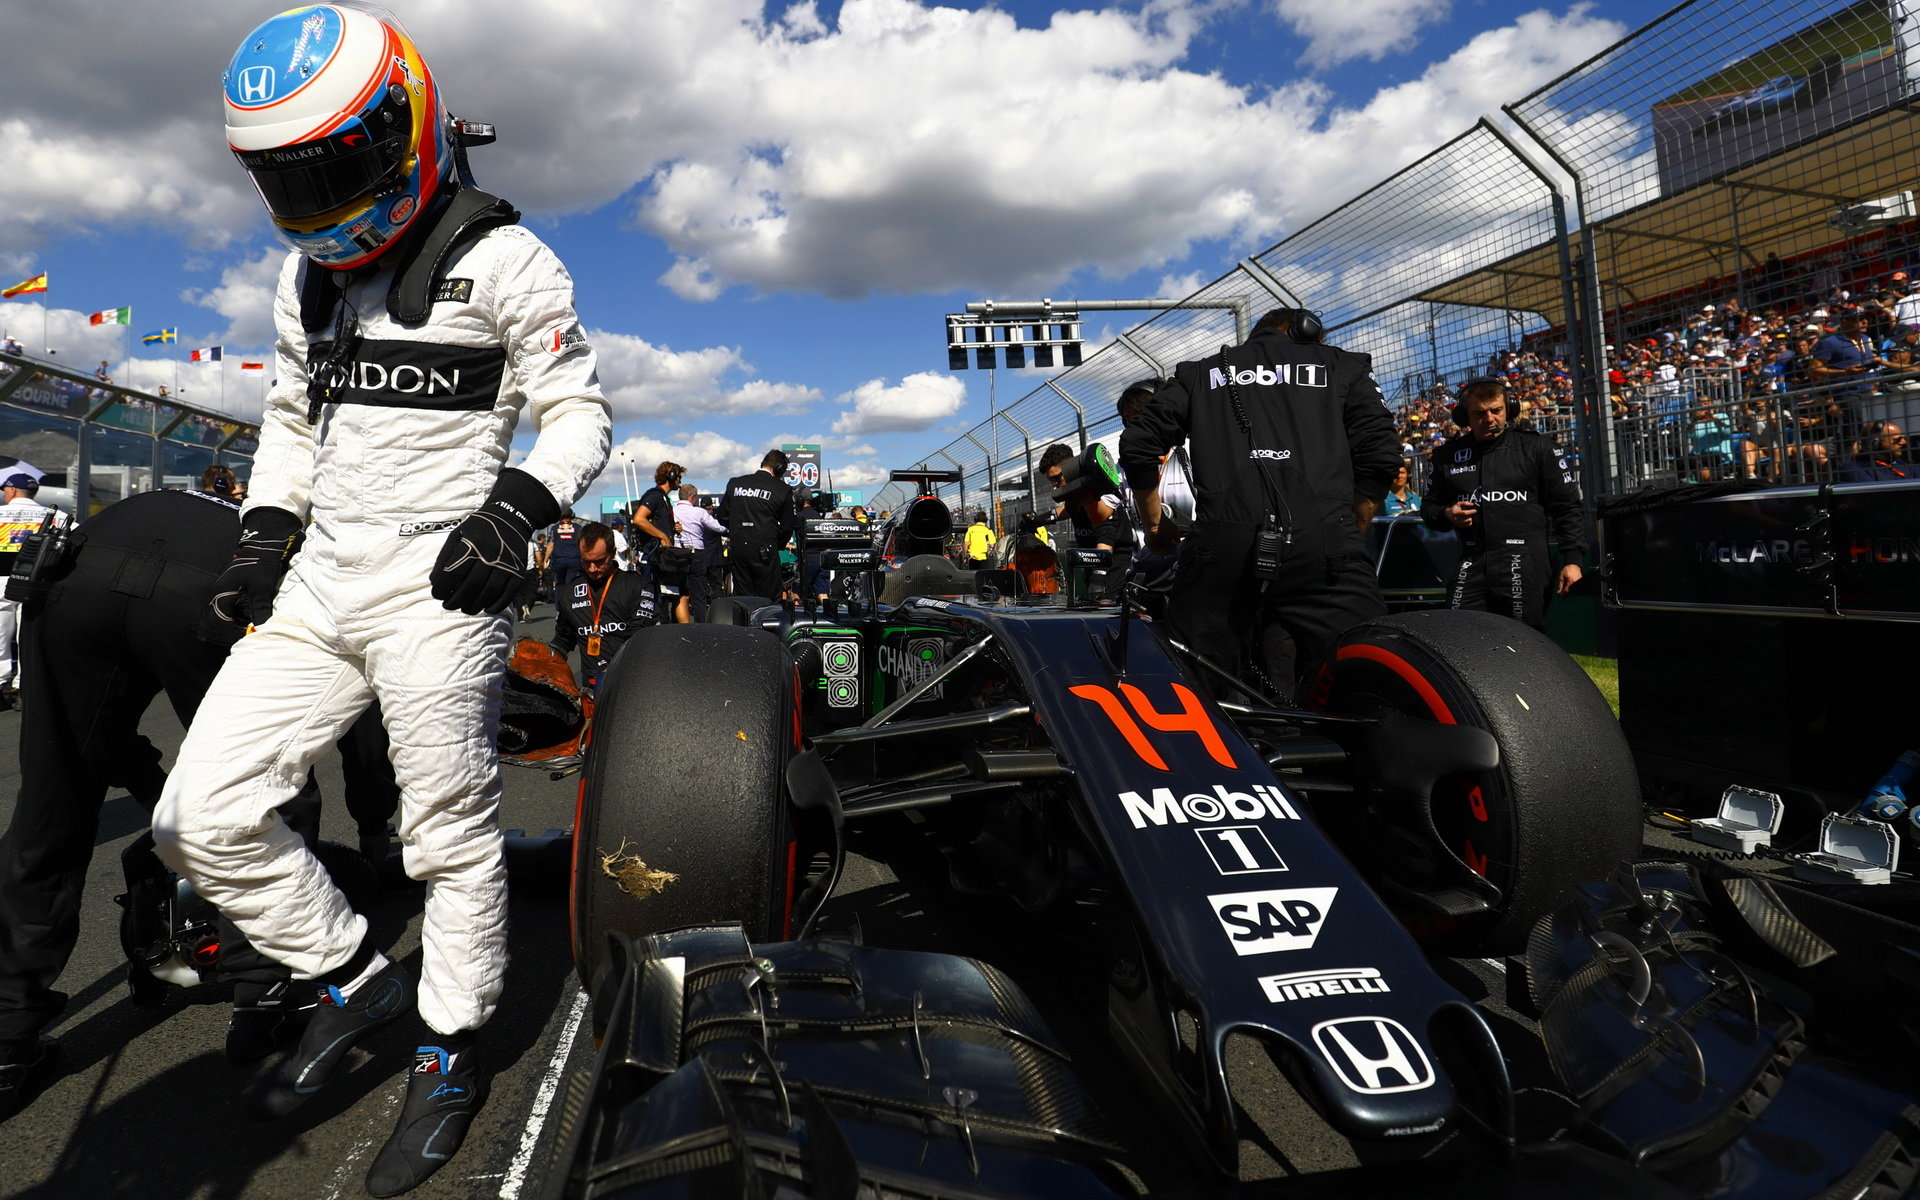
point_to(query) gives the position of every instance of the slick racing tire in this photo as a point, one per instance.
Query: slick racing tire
(1562, 807)
(735, 610)
(683, 810)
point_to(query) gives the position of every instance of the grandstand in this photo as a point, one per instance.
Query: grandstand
(1647, 246)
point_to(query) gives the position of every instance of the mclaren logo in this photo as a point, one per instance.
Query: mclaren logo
(1778, 550)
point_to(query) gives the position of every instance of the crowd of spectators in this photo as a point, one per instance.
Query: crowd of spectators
(1779, 387)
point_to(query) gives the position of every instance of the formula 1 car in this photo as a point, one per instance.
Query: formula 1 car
(1210, 864)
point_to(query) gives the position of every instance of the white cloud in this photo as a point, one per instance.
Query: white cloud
(645, 380)
(1350, 29)
(917, 403)
(903, 147)
(710, 459)
(244, 296)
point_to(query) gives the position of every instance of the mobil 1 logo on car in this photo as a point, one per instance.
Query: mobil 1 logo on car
(1275, 920)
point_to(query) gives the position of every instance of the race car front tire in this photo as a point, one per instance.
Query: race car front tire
(1562, 807)
(683, 816)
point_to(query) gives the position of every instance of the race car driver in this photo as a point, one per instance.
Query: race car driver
(1510, 494)
(416, 323)
(602, 609)
(1292, 450)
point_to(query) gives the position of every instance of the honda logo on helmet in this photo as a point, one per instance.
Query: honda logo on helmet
(256, 85)
(1374, 1055)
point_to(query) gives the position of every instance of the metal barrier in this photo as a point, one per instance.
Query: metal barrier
(1752, 155)
(103, 442)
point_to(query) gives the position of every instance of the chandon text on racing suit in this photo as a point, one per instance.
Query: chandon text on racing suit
(758, 512)
(427, 411)
(1526, 498)
(600, 617)
(1319, 434)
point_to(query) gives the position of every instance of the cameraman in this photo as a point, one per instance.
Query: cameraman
(1292, 450)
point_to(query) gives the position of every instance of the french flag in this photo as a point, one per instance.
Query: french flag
(205, 354)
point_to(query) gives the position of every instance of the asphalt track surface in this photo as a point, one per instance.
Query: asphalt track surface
(144, 1103)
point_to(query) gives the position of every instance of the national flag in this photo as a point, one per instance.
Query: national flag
(247, 366)
(113, 316)
(159, 335)
(37, 284)
(205, 354)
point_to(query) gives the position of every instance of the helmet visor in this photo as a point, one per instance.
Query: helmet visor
(300, 183)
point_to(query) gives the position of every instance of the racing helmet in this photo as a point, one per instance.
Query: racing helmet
(338, 122)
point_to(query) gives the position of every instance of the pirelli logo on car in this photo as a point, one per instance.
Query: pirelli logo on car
(1321, 984)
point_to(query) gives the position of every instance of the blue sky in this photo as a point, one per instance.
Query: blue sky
(767, 210)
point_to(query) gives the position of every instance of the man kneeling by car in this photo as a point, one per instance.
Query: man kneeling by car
(600, 610)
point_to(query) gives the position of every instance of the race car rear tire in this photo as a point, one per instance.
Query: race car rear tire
(1563, 806)
(683, 807)
(735, 610)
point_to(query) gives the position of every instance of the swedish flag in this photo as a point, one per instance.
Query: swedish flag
(159, 335)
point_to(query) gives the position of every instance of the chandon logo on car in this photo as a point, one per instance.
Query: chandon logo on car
(1269, 922)
(1374, 1055)
(1318, 985)
(1164, 806)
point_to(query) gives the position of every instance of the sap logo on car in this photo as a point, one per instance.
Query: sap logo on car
(1374, 1055)
(1163, 806)
(1299, 374)
(1323, 983)
(1272, 921)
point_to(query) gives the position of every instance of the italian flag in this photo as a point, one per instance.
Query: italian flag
(113, 316)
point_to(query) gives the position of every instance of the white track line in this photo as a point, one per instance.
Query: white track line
(543, 1099)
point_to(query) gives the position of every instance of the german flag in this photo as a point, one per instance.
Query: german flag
(37, 284)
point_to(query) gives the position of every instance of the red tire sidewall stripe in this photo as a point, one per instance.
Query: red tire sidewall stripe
(1407, 671)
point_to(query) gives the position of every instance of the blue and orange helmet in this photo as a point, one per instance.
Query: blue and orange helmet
(337, 120)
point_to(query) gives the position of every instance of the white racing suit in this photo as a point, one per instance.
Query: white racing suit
(414, 448)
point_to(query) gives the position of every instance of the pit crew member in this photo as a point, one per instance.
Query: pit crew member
(603, 608)
(1511, 496)
(758, 512)
(416, 323)
(1292, 449)
(20, 515)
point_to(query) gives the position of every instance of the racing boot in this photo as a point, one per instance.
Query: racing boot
(267, 1017)
(24, 1066)
(444, 1091)
(345, 1014)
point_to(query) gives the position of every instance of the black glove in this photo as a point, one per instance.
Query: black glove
(485, 557)
(243, 595)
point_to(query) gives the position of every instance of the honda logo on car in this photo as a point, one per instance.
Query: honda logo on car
(1269, 922)
(1162, 807)
(1374, 1055)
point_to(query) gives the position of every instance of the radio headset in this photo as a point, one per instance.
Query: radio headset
(1459, 410)
(1275, 534)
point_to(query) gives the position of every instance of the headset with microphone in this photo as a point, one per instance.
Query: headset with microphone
(1459, 410)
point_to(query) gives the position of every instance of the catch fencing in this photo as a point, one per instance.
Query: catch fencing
(1758, 156)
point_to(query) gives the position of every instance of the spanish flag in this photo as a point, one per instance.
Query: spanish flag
(37, 284)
